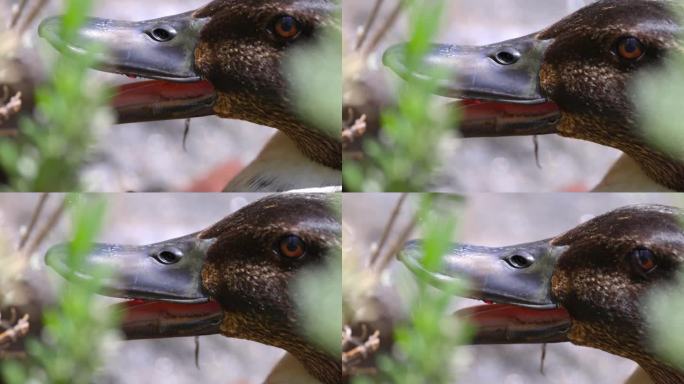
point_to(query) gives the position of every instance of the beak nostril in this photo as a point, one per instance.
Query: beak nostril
(507, 57)
(162, 34)
(520, 261)
(169, 256)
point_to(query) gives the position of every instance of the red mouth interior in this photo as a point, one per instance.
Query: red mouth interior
(140, 309)
(505, 315)
(158, 92)
(478, 109)
(143, 319)
(495, 119)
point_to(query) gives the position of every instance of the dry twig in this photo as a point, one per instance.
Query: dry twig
(51, 223)
(399, 243)
(354, 131)
(388, 228)
(17, 12)
(357, 349)
(380, 262)
(34, 219)
(394, 15)
(11, 108)
(369, 24)
(15, 332)
(33, 14)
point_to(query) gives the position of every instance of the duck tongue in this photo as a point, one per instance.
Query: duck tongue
(155, 100)
(144, 319)
(511, 324)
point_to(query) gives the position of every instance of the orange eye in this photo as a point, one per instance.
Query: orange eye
(291, 247)
(644, 260)
(630, 48)
(287, 27)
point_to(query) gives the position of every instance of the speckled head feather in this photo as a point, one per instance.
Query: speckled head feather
(240, 55)
(604, 292)
(253, 282)
(592, 86)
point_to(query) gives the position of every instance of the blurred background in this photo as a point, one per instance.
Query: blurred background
(150, 156)
(144, 219)
(498, 220)
(487, 164)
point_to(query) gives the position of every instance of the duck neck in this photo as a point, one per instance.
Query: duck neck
(278, 332)
(319, 364)
(662, 373)
(664, 169)
(310, 140)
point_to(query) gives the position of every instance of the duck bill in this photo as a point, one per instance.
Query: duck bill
(516, 279)
(498, 85)
(160, 49)
(163, 280)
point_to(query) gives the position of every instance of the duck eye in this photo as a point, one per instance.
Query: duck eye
(630, 48)
(520, 261)
(644, 260)
(162, 34)
(287, 27)
(291, 247)
(169, 256)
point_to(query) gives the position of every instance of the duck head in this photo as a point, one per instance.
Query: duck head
(574, 78)
(236, 278)
(588, 286)
(227, 58)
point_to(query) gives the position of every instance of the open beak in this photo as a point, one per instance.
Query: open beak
(163, 280)
(160, 49)
(516, 279)
(497, 83)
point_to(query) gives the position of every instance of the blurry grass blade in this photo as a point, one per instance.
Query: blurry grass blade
(406, 156)
(51, 149)
(87, 218)
(80, 328)
(425, 347)
(659, 96)
(319, 294)
(317, 84)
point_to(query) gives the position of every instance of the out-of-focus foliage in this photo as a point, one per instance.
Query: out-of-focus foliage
(317, 80)
(659, 96)
(405, 158)
(52, 147)
(317, 88)
(79, 329)
(425, 346)
(319, 294)
(665, 313)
